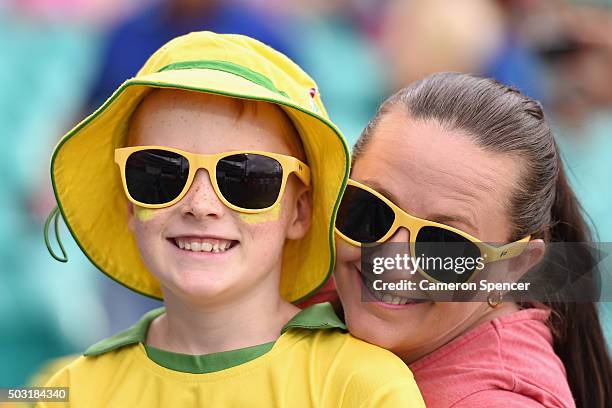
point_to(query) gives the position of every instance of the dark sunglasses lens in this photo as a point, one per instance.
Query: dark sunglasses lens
(156, 176)
(447, 256)
(249, 180)
(362, 216)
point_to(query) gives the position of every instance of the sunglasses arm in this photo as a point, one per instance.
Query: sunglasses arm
(507, 251)
(302, 171)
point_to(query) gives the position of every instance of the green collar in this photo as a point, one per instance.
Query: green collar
(315, 317)
(206, 363)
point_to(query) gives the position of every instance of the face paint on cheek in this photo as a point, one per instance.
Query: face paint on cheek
(266, 216)
(144, 214)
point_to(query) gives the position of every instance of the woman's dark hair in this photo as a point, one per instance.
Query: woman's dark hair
(501, 119)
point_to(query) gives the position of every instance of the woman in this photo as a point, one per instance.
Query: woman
(471, 154)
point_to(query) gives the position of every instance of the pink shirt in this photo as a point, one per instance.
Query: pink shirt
(507, 362)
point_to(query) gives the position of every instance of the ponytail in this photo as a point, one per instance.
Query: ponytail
(577, 335)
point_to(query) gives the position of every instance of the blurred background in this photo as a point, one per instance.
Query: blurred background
(62, 58)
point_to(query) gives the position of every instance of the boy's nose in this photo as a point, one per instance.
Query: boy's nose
(201, 200)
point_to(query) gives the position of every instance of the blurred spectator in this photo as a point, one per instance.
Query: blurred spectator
(47, 309)
(330, 43)
(576, 41)
(420, 37)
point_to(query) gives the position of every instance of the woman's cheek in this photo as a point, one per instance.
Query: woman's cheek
(347, 253)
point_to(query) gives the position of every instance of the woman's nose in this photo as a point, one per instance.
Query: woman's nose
(400, 245)
(201, 200)
(401, 235)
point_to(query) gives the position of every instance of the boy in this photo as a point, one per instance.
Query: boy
(232, 174)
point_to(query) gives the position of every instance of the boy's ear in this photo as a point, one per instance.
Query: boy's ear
(530, 257)
(300, 220)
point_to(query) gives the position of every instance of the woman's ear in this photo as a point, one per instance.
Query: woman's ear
(301, 219)
(530, 257)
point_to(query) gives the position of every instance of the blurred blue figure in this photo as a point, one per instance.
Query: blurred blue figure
(516, 65)
(132, 41)
(44, 73)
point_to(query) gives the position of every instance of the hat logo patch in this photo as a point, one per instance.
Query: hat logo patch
(312, 92)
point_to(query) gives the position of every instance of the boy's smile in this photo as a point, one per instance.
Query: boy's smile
(199, 249)
(203, 244)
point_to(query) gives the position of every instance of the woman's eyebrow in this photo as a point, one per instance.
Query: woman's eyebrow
(446, 218)
(436, 217)
(378, 187)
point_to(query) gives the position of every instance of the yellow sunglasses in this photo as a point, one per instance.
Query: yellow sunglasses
(248, 181)
(366, 217)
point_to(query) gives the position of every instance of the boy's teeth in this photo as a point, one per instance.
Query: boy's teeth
(203, 245)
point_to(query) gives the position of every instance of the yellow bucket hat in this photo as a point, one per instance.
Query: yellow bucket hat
(87, 183)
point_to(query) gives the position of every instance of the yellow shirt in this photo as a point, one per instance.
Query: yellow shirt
(312, 364)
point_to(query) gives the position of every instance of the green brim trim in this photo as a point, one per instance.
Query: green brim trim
(124, 86)
(230, 68)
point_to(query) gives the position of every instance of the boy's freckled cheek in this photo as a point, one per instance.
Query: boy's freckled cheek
(145, 223)
(264, 231)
